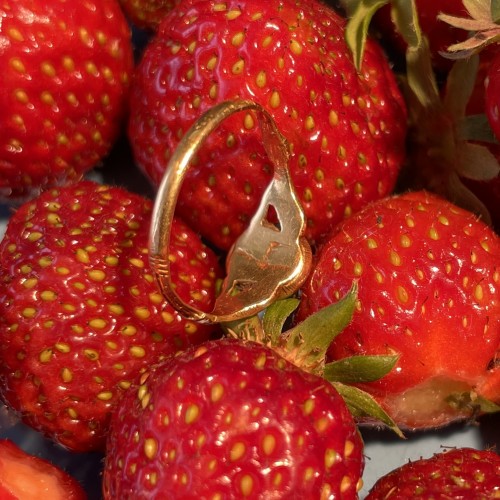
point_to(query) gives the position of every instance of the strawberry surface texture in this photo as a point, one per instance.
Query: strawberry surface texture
(346, 129)
(80, 313)
(232, 419)
(428, 275)
(454, 473)
(66, 73)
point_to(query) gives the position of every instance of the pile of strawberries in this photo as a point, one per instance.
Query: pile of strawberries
(391, 114)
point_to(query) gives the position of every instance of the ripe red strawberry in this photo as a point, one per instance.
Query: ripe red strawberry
(232, 419)
(80, 312)
(346, 128)
(27, 477)
(456, 473)
(147, 14)
(492, 92)
(65, 79)
(428, 274)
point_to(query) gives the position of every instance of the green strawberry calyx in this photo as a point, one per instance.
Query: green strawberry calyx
(306, 343)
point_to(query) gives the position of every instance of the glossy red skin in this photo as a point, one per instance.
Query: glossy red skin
(263, 395)
(96, 319)
(484, 100)
(13, 457)
(456, 473)
(439, 34)
(336, 168)
(65, 122)
(416, 304)
(492, 93)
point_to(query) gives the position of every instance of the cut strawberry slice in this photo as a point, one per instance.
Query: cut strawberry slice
(26, 477)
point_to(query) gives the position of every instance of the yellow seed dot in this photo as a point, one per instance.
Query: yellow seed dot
(192, 414)
(296, 47)
(45, 356)
(48, 69)
(91, 354)
(275, 100)
(142, 312)
(34, 236)
(331, 458)
(29, 312)
(358, 269)
(238, 67)
(73, 414)
(150, 448)
(30, 283)
(433, 234)
(308, 474)
(63, 347)
(237, 451)
(395, 258)
(137, 351)
(238, 39)
(17, 65)
(21, 96)
(479, 293)
(402, 294)
(116, 309)
(105, 396)
(261, 79)
(98, 323)
(82, 256)
(233, 14)
(249, 121)
(48, 295)
(128, 330)
(348, 448)
(216, 392)
(309, 123)
(309, 406)
(15, 35)
(268, 444)
(345, 484)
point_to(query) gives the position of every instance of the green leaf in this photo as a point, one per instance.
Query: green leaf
(275, 316)
(477, 128)
(405, 17)
(310, 339)
(460, 84)
(360, 14)
(420, 75)
(362, 405)
(495, 10)
(477, 162)
(357, 369)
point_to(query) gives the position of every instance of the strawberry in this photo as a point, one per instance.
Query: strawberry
(346, 129)
(492, 93)
(232, 419)
(428, 274)
(147, 14)
(454, 473)
(80, 314)
(66, 72)
(27, 477)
